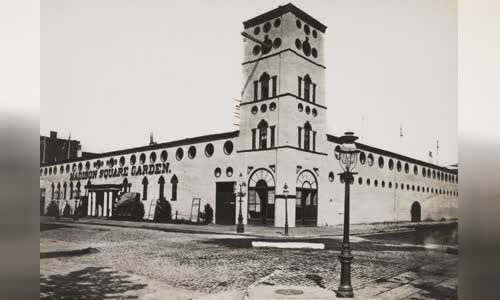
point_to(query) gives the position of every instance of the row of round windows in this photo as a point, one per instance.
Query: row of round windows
(300, 108)
(277, 22)
(179, 154)
(263, 108)
(426, 172)
(418, 188)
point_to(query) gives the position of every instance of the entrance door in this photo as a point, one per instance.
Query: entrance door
(415, 212)
(261, 203)
(42, 202)
(306, 207)
(225, 203)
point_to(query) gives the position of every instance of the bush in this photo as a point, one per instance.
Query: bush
(163, 211)
(67, 210)
(52, 209)
(137, 211)
(207, 215)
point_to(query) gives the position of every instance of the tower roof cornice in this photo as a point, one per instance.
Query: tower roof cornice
(281, 10)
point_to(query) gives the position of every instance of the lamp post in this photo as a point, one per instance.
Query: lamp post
(77, 210)
(347, 157)
(241, 228)
(285, 192)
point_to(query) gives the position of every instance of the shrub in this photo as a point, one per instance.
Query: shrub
(67, 210)
(52, 209)
(137, 211)
(208, 214)
(163, 211)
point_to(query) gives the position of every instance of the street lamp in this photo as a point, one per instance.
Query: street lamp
(285, 192)
(241, 228)
(347, 155)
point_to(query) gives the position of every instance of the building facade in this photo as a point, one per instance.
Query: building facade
(282, 139)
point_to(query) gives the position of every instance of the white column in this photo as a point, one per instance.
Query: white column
(105, 204)
(94, 211)
(110, 204)
(89, 204)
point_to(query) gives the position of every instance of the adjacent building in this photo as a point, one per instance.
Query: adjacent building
(282, 139)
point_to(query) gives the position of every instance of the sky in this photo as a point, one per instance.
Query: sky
(114, 71)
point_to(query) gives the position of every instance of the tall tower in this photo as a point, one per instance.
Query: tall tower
(283, 100)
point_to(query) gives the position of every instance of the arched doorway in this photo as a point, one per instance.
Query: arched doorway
(415, 212)
(306, 203)
(261, 192)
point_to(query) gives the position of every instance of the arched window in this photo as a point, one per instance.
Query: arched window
(307, 88)
(125, 185)
(77, 196)
(65, 186)
(145, 188)
(58, 195)
(307, 136)
(161, 182)
(71, 190)
(264, 85)
(262, 134)
(53, 188)
(174, 181)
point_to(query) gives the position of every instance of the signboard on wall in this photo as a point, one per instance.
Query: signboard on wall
(195, 210)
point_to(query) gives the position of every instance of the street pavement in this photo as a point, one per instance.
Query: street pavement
(183, 263)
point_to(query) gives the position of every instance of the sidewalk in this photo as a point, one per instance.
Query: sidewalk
(250, 230)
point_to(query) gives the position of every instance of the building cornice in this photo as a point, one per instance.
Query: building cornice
(282, 51)
(282, 96)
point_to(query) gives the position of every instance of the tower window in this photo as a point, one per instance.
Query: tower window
(253, 138)
(307, 84)
(255, 90)
(314, 92)
(314, 141)
(300, 87)
(263, 134)
(264, 81)
(307, 136)
(300, 137)
(274, 85)
(161, 182)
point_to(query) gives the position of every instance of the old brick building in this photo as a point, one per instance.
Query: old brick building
(282, 139)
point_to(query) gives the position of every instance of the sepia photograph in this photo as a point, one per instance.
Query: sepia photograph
(249, 149)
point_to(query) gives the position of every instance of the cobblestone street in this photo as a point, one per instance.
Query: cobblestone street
(213, 263)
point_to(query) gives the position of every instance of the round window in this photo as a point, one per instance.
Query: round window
(179, 154)
(399, 166)
(368, 181)
(87, 166)
(423, 172)
(381, 162)
(315, 112)
(164, 156)
(255, 109)
(391, 164)
(50, 171)
(360, 181)
(73, 168)
(256, 30)
(229, 171)
(315, 33)
(122, 161)
(407, 168)
(55, 170)
(80, 166)
(415, 170)
(256, 50)
(298, 44)
(217, 172)
(277, 23)
(331, 176)
(370, 159)
(267, 27)
(133, 159)
(61, 169)
(67, 168)
(277, 43)
(228, 147)
(375, 182)
(298, 23)
(314, 52)
(337, 152)
(407, 187)
(308, 110)
(390, 185)
(383, 184)
(152, 157)
(413, 188)
(362, 158)
(192, 152)
(142, 158)
(209, 149)
(263, 108)
(307, 29)
(300, 107)
(272, 106)
(306, 48)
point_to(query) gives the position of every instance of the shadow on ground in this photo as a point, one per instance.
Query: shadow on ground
(87, 283)
(50, 226)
